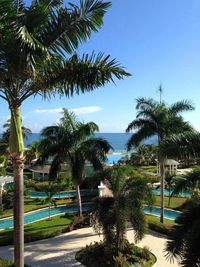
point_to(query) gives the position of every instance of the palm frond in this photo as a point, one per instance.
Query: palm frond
(70, 26)
(140, 135)
(182, 145)
(144, 103)
(78, 75)
(181, 106)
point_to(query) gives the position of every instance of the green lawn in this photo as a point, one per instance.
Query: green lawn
(176, 202)
(155, 224)
(39, 230)
(59, 224)
(31, 204)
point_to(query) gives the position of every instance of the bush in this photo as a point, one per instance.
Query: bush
(98, 255)
(8, 263)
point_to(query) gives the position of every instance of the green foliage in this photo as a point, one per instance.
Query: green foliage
(155, 225)
(39, 230)
(98, 255)
(125, 203)
(144, 155)
(184, 241)
(8, 263)
(157, 118)
(72, 142)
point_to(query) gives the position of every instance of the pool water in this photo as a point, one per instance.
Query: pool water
(67, 194)
(168, 214)
(182, 194)
(44, 213)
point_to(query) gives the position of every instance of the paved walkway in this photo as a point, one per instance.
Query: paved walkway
(60, 251)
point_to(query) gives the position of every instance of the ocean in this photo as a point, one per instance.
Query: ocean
(117, 140)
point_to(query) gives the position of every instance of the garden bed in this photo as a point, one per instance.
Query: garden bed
(98, 255)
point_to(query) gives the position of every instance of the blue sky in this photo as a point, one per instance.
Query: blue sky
(157, 41)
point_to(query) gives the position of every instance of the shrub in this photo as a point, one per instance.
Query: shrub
(98, 255)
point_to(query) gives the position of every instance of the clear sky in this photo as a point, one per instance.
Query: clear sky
(157, 41)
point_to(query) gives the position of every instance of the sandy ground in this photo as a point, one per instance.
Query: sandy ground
(60, 251)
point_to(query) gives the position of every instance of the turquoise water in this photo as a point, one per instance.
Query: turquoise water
(92, 192)
(68, 194)
(182, 194)
(168, 214)
(44, 213)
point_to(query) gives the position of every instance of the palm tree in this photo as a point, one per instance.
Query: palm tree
(144, 155)
(171, 181)
(4, 141)
(49, 190)
(188, 182)
(184, 243)
(26, 132)
(37, 44)
(3, 164)
(73, 142)
(33, 151)
(157, 118)
(124, 204)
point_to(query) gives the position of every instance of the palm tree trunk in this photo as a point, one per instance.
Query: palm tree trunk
(162, 190)
(16, 147)
(17, 162)
(49, 211)
(169, 196)
(78, 196)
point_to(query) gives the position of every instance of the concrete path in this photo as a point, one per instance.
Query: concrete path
(60, 251)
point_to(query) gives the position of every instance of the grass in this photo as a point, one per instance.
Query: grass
(39, 230)
(8, 263)
(175, 203)
(155, 224)
(31, 204)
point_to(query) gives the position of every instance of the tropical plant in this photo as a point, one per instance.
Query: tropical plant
(144, 155)
(3, 164)
(158, 119)
(33, 152)
(50, 191)
(35, 42)
(73, 142)
(184, 240)
(170, 182)
(123, 204)
(4, 141)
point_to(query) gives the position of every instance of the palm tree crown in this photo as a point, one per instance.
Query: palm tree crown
(125, 203)
(73, 141)
(155, 118)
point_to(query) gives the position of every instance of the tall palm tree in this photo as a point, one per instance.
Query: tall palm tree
(124, 204)
(37, 44)
(157, 118)
(73, 142)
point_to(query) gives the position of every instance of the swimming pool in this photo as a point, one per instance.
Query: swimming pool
(64, 194)
(182, 194)
(37, 215)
